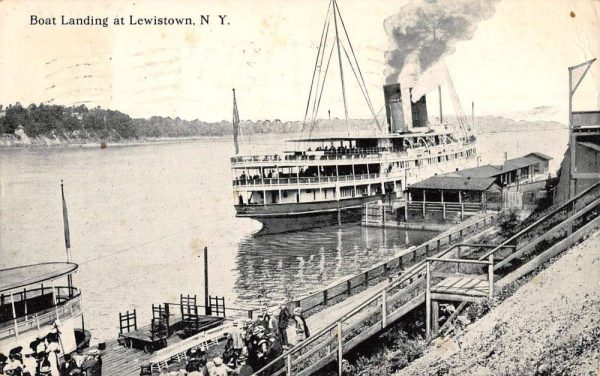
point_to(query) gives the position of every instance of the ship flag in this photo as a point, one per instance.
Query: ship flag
(236, 125)
(65, 220)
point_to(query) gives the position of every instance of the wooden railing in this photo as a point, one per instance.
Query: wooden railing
(560, 219)
(178, 352)
(384, 306)
(408, 290)
(347, 286)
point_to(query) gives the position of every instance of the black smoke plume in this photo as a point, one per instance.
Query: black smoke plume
(425, 31)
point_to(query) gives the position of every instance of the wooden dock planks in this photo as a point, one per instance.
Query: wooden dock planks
(462, 286)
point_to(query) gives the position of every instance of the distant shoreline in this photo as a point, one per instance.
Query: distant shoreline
(36, 143)
(44, 142)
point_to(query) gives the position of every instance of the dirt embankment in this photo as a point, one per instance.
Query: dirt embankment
(550, 326)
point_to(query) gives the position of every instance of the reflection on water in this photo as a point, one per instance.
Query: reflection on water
(273, 267)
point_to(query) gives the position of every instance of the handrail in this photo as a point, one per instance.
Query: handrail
(464, 261)
(415, 250)
(188, 343)
(410, 273)
(325, 335)
(536, 223)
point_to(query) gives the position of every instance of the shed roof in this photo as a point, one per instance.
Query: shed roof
(488, 171)
(485, 171)
(454, 183)
(539, 155)
(517, 163)
(21, 276)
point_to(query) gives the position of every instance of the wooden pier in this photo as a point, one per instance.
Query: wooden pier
(167, 331)
(463, 272)
(349, 312)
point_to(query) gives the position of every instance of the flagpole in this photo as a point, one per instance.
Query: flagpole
(67, 236)
(236, 125)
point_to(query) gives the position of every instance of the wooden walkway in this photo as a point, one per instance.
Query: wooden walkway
(339, 328)
(461, 287)
(117, 360)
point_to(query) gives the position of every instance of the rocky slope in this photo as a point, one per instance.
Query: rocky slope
(550, 326)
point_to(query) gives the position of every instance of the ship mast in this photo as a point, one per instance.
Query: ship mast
(337, 41)
(236, 125)
(329, 44)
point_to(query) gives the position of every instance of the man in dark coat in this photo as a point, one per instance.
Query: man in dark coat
(284, 316)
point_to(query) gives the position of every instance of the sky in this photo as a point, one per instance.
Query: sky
(516, 61)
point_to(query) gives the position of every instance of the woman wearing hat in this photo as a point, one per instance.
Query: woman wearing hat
(219, 369)
(302, 332)
(244, 369)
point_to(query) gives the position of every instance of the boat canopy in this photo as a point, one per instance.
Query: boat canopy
(21, 276)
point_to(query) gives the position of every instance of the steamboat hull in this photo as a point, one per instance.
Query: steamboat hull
(301, 216)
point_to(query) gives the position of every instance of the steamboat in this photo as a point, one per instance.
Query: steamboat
(318, 181)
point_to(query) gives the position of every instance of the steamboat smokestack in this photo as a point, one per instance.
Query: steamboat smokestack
(419, 111)
(393, 108)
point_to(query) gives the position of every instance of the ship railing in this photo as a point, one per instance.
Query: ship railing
(68, 304)
(356, 154)
(304, 180)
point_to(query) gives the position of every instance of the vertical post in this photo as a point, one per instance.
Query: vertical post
(424, 200)
(340, 347)
(289, 364)
(428, 300)
(54, 300)
(458, 255)
(14, 312)
(571, 138)
(406, 206)
(25, 301)
(383, 309)
(206, 300)
(491, 275)
(435, 318)
(443, 205)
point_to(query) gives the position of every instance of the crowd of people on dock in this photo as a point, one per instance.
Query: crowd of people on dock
(250, 346)
(46, 357)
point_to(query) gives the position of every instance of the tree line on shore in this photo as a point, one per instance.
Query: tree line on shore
(79, 122)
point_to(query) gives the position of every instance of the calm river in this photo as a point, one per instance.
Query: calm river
(140, 217)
